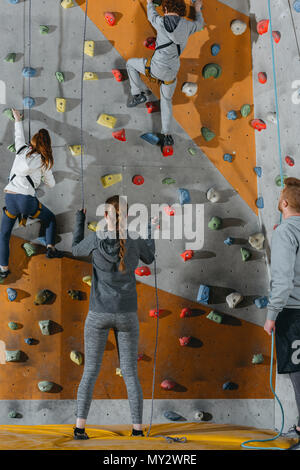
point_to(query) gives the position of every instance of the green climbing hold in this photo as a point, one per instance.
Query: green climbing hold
(211, 70)
(60, 76)
(207, 134)
(12, 148)
(216, 317)
(8, 112)
(215, 223)
(11, 57)
(168, 181)
(278, 180)
(192, 151)
(13, 325)
(13, 414)
(245, 254)
(245, 110)
(44, 29)
(45, 326)
(13, 356)
(43, 296)
(45, 386)
(257, 359)
(29, 249)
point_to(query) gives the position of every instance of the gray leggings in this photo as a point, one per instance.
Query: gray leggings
(295, 378)
(97, 326)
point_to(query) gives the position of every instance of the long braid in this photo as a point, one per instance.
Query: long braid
(120, 207)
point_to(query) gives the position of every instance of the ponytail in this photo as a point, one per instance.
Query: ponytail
(41, 143)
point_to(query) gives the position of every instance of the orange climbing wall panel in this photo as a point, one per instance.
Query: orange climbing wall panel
(215, 97)
(218, 353)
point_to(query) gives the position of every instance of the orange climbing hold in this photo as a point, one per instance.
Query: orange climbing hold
(184, 340)
(186, 312)
(138, 180)
(140, 357)
(117, 74)
(262, 77)
(143, 271)
(167, 384)
(110, 18)
(150, 43)
(152, 107)
(276, 36)
(153, 313)
(187, 254)
(120, 135)
(258, 124)
(263, 26)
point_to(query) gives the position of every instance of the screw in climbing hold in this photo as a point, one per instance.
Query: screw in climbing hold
(12, 325)
(150, 43)
(258, 171)
(43, 296)
(152, 107)
(203, 294)
(232, 115)
(246, 255)
(61, 104)
(150, 138)
(28, 102)
(229, 241)
(167, 384)
(184, 196)
(278, 179)
(29, 341)
(257, 240)
(213, 195)
(28, 72)
(13, 356)
(257, 359)
(45, 386)
(169, 211)
(211, 70)
(153, 313)
(168, 181)
(76, 357)
(30, 249)
(110, 18)
(12, 148)
(215, 317)
(107, 121)
(11, 294)
(60, 77)
(75, 294)
(230, 386)
(75, 150)
(44, 29)
(118, 75)
(45, 327)
(245, 110)
(109, 180)
(187, 254)
(228, 158)
(296, 6)
(189, 88)
(290, 161)
(8, 113)
(119, 372)
(143, 271)
(258, 124)
(138, 180)
(89, 48)
(259, 203)
(90, 76)
(261, 302)
(262, 26)
(172, 416)
(87, 280)
(67, 4)
(185, 312)
(262, 77)
(238, 27)
(234, 299)
(207, 134)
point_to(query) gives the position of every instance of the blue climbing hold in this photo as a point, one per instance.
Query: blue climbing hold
(227, 157)
(184, 196)
(13, 2)
(150, 138)
(28, 102)
(203, 294)
(172, 416)
(258, 170)
(260, 203)
(261, 302)
(11, 294)
(232, 115)
(28, 72)
(29, 341)
(297, 6)
(42, 240)
(215, 49)
(229, 386)
(229, 241)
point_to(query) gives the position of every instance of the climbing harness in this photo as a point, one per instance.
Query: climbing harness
(148, 65)
(23, 218)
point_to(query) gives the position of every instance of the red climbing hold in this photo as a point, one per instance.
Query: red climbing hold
(186, 312)
(118, 75)
(152, 107)
(169, 211)
(276, 36)
(258, 124)
(138, 180)
(262, 77)
(167, 384)
(110, 18)
(142, 271)
(120, 135)
(150, 43)
(289, 161)
(153, 313)
(167, 151)
(140, 357)
(184, 340)
(263, 26)
(187, 254)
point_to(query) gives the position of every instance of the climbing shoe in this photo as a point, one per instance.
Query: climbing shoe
(80, 434)
(54, 253)
(4, 274)
(167, 140)
(136, 99)
(136, 433)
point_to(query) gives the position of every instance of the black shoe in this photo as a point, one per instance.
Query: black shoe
(54, 253)
(136, 99)
(167, 140)
(80, 434)
(4, 274)
(296, 430)
(136, 433)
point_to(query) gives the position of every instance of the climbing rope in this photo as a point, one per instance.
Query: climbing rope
(29, 64)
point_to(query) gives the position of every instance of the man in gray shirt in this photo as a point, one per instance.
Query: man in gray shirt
(283, 317)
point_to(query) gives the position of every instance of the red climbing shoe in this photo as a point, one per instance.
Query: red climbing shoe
(118, 75)
(263, 26)
(110, 18)
(186, 255)
(153, 313)
(290, 161)
(169, 211)
(167, 384)
(276, 36)
(186, 312)
(143, 271)
(150, 43)
(262, 77)
(258, 124)
(138, 180)
(120, 135)
(152, 107)
(184, 340)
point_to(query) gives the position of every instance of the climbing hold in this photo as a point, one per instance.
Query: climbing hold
(12, 148)
(140, 357)
(227, 157)
(150, 43)
(215, 223)
(45, 386)
(29, 341)
(184, 196)
(109, 180)
(143, 271)
(199, 415)
(93, 226)
(189, 88)
(245, 110)
(229, 386)
(11, 57)
(13, 356)
(167, 384)
(60, 77)
(261, 302)
(13, 414)
(192, 151)
(187, 254)
(213, 195)
(257, 240)
(245, 254)
(233, 299)
(12, 325)
(67, 4)
(87, 280)
(28, 72)
(29, 249)
(259, 203)
(11, 294)
(207, 134)
(290, 161)
(232, 115)
(184, 340)
(61, 104)
(150, 138)
(74, 294)
(138, 180)
(215, 49)
(296, 6)
(107, 121)
(13, 2)
(110, 18)
(119, 372)
(262, 26)
(203, 294)
(258, 171)
(262, 77)
(168, 181)
(272, 117)
(153, 313)
(211, 70)
(8, 112)
(44, 29)
(258, 124)
(90, 76)
(214, 316)
(28, 102)
(89, 48)
(257, 359)
(43, 296)
(186, 312)
(276, 36)
(229, 241)
(120, 135)
(238, 27)
(118, 75)
(167, 150)
(169, 211)
(76, 357)
(172, 416)
(278, 179)
(45, 327)
(75, 149)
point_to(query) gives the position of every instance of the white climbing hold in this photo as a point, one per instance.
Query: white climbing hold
(271, 117)
(213, 195)
(119, 372)
(233, 299)
(238, 27)
(189, 88)
(199, 415)
(76, 357)
(257, 240)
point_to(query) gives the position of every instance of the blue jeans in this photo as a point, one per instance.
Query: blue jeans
(27, 205)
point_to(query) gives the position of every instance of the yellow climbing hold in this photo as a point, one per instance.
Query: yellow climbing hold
(93, 226)
(89, 48)
(76, 357)
(119, 372)
(90, 76)
(61, 105)
(67, 4)
(87, 280)
(109, 180)
(75, 149)
(107, 121)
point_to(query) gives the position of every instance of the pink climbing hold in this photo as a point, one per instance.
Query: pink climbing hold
(263, 26)
(150, 43)
(138, 180)
(276, 36)
(118, 75)
(110, 18)
(187, 254)
(152, 107)
(143, 271)
(167, 384)
(153, 313)
(169, 211)
(184, 340)
(290, 161)
(258, 124)
(262, 77)
(167, 151)
(120, 135)
(186, 312)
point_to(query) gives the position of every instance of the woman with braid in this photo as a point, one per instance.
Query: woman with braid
(113, 304)
(31, 166)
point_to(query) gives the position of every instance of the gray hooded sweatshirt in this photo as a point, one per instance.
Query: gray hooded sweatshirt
(285, 267)
(165, 62)
(112, 291)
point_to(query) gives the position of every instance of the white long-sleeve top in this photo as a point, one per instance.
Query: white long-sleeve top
(27, 166)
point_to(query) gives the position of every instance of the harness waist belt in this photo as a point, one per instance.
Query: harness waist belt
(23, 218)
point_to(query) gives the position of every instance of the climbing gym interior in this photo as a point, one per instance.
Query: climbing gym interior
(205, 363)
